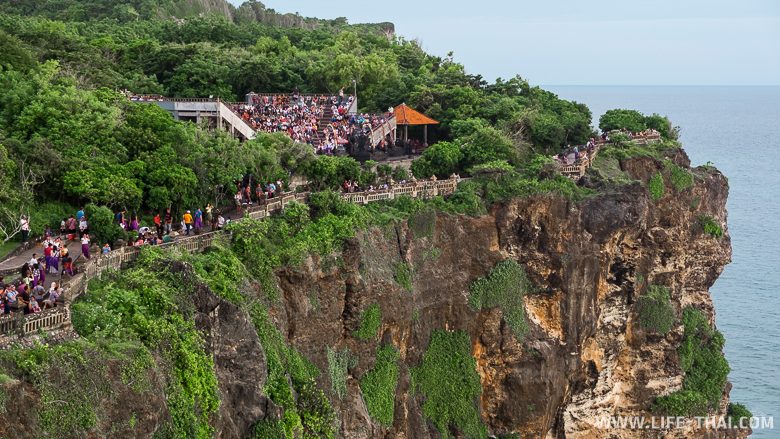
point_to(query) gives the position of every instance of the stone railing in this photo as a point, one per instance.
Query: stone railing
(118, 259)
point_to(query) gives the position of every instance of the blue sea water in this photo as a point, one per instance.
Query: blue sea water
(738, 129)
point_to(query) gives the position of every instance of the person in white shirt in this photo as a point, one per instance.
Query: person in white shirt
(85, 245)
(24, 223)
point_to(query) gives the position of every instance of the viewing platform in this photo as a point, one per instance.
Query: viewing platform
(16, 325)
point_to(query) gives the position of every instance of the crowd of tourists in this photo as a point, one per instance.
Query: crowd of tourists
(572, 155)
(294, 114)
(28, 297)
(250, 192)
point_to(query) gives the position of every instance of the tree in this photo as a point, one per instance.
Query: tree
(101, 224)
(442, 159)
(619, 119)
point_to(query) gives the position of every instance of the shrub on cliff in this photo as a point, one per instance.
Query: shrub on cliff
(681, 178)
(710, 226)
(655, 310)
(704, 366)
(370, 321)
(378, 385)
(656, 187)
(448, 380)
(504, 287)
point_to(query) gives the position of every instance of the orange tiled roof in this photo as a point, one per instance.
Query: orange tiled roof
(408, 116)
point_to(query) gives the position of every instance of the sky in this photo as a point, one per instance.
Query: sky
(577, 42)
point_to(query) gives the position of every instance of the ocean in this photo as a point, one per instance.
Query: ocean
(737, 129)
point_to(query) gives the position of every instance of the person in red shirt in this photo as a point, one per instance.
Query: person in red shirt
(158, 224)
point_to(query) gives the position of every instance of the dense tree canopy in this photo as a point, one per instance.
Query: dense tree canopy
(67, 134)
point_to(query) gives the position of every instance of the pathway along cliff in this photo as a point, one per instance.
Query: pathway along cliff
(537, 319)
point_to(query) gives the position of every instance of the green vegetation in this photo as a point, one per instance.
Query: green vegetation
(635, 121)
(737, 412)
(447, 378)
(370, 321)
(681, 179)
(73, 380)
(705, 368)
(136, 307)
(504, 287)
(402, 274)
(338, 364)
(264, 245)
(710, 226)
(378, 385)
(655, 309)
(656, 186)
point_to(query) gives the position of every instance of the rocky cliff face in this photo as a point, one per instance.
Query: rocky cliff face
(584, 356)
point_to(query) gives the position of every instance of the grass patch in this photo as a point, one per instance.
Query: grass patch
(710, 226)
(402, 274)
(339, 363)
(504, 287)
(705, 368)
(655, 310)
(656, 186)
(370, 321)
(681, 178)
(7, 247)
(447, 378)
(378, 385)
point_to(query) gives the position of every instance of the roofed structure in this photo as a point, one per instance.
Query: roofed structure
(405, 115)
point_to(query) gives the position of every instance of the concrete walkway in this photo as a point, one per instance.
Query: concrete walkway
(16, 262)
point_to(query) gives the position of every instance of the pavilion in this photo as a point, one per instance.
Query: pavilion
(407, 116)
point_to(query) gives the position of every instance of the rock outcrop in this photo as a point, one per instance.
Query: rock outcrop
(585, 356)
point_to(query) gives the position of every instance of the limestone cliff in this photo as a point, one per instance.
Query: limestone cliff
(584, 356)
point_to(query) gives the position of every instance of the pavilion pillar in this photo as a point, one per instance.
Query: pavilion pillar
(406, 133)
(425, 136)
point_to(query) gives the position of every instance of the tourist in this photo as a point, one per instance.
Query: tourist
(210, 215)
(198, 219)
(158, 224)
(67, 262)
(220, 222)
(187, 221)
(237, 199)
(79, 214)
(24, 225)
(83, 226)
(106, 249)
(85, 245)
(72, 227)
(10, 299)
(168, 220)
(50, 301)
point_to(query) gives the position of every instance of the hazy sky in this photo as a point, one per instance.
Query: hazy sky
(595, 42)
